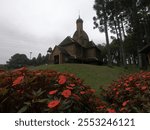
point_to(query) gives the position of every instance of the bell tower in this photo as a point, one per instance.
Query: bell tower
(80, 35)
(79, 24)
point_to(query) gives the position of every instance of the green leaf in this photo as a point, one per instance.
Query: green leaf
(34, 93)
(5, 99)
(42, 100)
(27, 103)
(38, 93)
(41, 92)
(23, 109)
(66, 104)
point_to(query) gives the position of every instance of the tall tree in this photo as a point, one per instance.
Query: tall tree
(126, 18)
(39, 59)
(101, 22)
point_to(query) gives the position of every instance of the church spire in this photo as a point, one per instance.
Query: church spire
(80, 35)
(79, 23)
(79, 13)
(79, 20)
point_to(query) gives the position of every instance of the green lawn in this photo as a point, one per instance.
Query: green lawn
(94, 76)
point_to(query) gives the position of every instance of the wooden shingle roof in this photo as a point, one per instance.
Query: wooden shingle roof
(66, 41)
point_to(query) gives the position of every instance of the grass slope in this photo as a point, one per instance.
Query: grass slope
(93, 75)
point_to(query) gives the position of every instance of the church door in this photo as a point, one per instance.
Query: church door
(56, 59)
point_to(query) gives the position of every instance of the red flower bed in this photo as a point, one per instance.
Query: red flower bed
(129, 94)
(22, 90)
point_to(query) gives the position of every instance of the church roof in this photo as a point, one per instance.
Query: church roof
(63, 50)
(91, 44)
(79, 20)
(83, 33)
(80, 37)
(66, 41)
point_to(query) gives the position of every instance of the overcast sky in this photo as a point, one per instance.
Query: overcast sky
(35, 25)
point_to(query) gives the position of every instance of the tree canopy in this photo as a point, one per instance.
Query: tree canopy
(128, 21)
(18, 60)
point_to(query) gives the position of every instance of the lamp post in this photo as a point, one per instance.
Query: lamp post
(30, 55)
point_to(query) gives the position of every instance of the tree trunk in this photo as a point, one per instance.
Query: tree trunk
(136, 27)
(116, 29)
(121, 45)
(129, 60)
(107, 37)
(122, 27)
(147, 30)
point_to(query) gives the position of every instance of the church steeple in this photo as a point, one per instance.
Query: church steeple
(80, 35)
(79, 24)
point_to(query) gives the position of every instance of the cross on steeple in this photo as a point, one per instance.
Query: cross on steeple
(79, 14)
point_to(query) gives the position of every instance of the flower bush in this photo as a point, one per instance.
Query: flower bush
(22, 90)
(128, 94)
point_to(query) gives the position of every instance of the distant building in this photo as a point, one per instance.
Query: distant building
(77, 49)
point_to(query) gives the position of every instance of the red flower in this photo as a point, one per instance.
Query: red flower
(62, 79)
(18, 80)
(72, 85)
(125, 103)
(143, 88)
(69, 87)
(127, 89)
(93, 90)
(79, 81)
(20, 69)
(53, 103)
(137, 84)
(82, 92)
(144, 76)
(89, 91)
(114, 89)
(111, 110)
(122, 109)
(72, 75)
(38, 73)
(76, 97)
(119, 86)
(52, 92)
(66, 93)
(130, 78)
(100, 107)
(117, 93)
(125, 84)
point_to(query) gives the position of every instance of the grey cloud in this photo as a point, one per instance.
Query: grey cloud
(36, 25)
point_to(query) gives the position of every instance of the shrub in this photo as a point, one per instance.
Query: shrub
(22, 90)
(128, 94)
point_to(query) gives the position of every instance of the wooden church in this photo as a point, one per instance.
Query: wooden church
(77, 49)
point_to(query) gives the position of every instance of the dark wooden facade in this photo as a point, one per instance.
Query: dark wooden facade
(76, 49)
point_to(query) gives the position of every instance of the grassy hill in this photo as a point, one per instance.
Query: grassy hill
(93, 75)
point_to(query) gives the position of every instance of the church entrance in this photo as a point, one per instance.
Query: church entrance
(56, 59)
